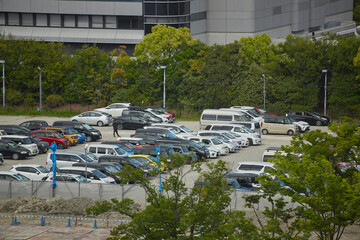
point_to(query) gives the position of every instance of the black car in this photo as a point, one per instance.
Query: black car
(312, 118)
(42, 145)
(34, 124)
(131, 122)
(142, 114)
(9, 149)
(91, 134)
(15, 130)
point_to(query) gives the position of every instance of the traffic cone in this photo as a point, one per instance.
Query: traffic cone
(15, 221)
(95, 225)
(42, 221)
(69, 223)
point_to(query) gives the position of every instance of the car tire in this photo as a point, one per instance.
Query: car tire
(290, 132)
(74, 120)
(120, 126)
(318, 123)
(15, 156)
(60, 146)
(264, 131)
(100, 123)
(250, 142)
(88, 138)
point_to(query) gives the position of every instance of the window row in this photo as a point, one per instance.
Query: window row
(167, 9)
(71, 21)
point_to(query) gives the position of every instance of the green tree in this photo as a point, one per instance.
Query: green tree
(327, 199)
(179, 212)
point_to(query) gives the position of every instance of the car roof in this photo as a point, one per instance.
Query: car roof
(240, 174)
(258, 163)
(14, 136)
(49, 131)
(27, 165)
(78, 168)
(101, 145)
(71, 151)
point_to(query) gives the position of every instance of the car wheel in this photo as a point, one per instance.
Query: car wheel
(74, 120)
(290, 132)
(265, 131)
(100, 123)
(15, 156)
(250, 142)
(60, 146)
(318, 123)
(88, 138)
(120, 126)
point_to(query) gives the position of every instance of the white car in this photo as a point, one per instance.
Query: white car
(213, 152)
(64, 177)
(181, 131)
(34, 172)
(93, 118)
(303, 126)
(164, 118)
(213, 142)
(11, 176)
(115, 109)
(91, 174)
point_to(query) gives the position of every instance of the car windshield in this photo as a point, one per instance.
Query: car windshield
(86, 158)
(26, 141)
(98, 173)
(58, 135)
(194, 144)
(81, 179)
(152, 158)
(126, 148)
(315, 113)
(12, 144)
(215, 141)
(21, 177)
(86, 126)
(136, 162)
(69, 131)
(119, 151)
(238, 118)
(92, 156)
(35, 139)
(229, 136)
(185, 129)
(110, 169)
(174, 131)
(247, 129)
(223, 140)
(292, 119)
(42, 169)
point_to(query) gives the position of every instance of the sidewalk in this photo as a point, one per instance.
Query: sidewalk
(9, 232)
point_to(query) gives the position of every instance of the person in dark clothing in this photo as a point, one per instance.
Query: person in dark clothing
(115, 127)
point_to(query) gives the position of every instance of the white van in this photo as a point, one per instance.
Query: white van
(254, 138)
(211, 116)
(105, 149)
(24, 141)
(251, 115)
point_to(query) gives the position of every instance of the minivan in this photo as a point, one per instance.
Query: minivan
(9, 149)
(91, 134)
(212, 116)
(24, 141)
(105, 149)
(65, 158)
(278, 125)
(254, 138)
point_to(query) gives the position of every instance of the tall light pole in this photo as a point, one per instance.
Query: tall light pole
(40, 108)
(325, 71)
(164, 97)
(264, 89)
(3, 63)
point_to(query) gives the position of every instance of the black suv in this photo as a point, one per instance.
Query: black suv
(131, 122)
(312, 118)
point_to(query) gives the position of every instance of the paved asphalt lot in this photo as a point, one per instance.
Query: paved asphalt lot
(251, 153)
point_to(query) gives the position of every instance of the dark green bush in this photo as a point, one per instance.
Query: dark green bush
(54, 101)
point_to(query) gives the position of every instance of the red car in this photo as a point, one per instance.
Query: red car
(51, 137)
(262, 111)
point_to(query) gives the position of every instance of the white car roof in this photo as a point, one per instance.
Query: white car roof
(270, 164)
(27, 165)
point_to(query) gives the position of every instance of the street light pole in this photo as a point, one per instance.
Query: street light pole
(164, 96)
(3, 63)
(40, 108)
(264, 89)
(325, 71)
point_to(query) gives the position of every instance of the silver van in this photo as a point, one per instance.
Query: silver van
(105, 149)
(278, 125)
(66, 158)
(212, 116)
(24, 141)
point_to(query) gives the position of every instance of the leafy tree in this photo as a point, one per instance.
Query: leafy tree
(179, 212)
(327, 200)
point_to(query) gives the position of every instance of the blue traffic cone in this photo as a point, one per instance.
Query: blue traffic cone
(15, 221)
(95, 225)
(69, 223)
(42, 221)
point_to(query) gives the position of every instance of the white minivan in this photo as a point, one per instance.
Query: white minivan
(212, 116)
(24, 141)
(105, 149)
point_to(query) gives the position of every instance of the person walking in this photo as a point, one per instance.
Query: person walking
(115, 127)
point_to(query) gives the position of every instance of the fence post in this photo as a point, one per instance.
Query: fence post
(10, 190)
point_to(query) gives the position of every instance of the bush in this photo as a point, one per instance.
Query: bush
(13, 97)
(54, 101)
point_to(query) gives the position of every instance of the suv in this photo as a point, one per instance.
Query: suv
(9, 149)
(91, 134)
(161, 132)
(67, 158)
(278, 125)
(313, 118)
(67, 132)
(105, 149)
(34, 172)
(34, 124)
(115, 109)
(148, 116)
(91, 174)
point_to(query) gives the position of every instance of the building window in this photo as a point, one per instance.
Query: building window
(2, 18)
(129, 22)
(97, 22)
(83, 21)
(69, 20)
(41, 20)
(110, 22)
(27, 19)
(14, 19)
(55, 20)
(277, 10)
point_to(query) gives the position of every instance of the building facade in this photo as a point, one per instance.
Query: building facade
(110, 23)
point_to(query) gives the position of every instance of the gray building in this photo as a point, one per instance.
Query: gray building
(110, 23)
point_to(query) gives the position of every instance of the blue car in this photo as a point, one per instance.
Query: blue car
(82, 137)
